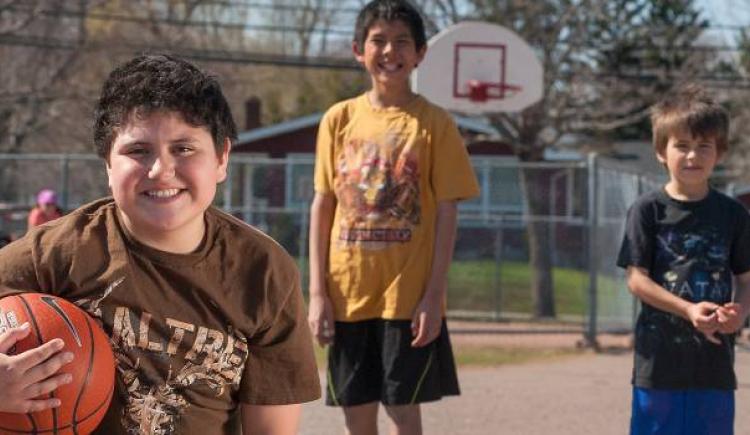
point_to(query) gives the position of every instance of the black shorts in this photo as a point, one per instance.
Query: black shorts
(373, 361)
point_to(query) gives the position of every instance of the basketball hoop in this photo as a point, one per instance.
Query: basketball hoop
(479, 91)
(480, 68)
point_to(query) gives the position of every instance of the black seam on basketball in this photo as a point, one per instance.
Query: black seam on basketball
(100, 406)
(82, 420)
(40, 341)
(75, 421)
(53, 304)
(88, 375)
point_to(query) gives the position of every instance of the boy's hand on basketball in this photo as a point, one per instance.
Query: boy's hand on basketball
(730, 318)
(30, 374)
(427, 321)
(704, 318)
(320, 318)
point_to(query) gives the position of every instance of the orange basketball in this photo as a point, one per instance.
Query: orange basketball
(85, 400)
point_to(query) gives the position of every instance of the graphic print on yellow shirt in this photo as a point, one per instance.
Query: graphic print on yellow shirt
(378, 191)
(388, 169)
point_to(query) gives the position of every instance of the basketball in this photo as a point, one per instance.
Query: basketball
(85, 400)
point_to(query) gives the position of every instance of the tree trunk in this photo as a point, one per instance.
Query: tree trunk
(534, 185)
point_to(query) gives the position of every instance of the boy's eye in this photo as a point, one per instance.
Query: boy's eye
(136, 151)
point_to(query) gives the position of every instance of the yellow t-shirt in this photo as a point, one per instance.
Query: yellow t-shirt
(388, 169)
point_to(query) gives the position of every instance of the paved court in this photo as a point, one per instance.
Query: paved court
(586, 394)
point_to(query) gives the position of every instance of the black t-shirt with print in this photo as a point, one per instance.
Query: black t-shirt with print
(692, 249)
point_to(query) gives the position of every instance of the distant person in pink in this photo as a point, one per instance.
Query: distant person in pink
(46, 208)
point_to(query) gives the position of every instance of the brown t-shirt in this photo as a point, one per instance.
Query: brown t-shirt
(194, 335)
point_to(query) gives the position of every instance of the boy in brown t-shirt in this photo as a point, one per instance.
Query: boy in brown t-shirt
(204, 312)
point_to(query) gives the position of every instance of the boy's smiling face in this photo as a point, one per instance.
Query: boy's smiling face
(689, 160)
(163, 174)
(389, 53)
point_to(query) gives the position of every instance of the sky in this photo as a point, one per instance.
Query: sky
(726, 13)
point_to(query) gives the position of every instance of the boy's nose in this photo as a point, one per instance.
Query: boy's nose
(162, 168)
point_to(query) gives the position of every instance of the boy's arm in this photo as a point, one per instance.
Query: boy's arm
(428, 316)
(742, 295)
(320, 314)
(732, 315)
(702, 314)
(270, 419)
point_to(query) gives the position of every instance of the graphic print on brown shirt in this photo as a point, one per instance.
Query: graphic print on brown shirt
(195, 335)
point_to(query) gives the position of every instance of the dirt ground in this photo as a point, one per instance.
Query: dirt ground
(582, 394)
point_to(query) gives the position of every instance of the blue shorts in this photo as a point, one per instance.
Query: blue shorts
(682, 412)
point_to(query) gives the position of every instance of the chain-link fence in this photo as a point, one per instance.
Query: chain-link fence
(617, 186)
(531, 228)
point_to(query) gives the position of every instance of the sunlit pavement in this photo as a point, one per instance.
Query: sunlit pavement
(578, 395)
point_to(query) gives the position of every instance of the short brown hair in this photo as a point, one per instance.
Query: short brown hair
(691, 110)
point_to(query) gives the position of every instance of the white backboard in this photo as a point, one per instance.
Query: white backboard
(483, 52)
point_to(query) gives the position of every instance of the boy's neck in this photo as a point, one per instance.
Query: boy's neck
(384, 98)
(683, 192)
(184, 241)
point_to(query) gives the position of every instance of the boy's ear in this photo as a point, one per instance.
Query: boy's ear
(358, 54)
(223, 158)
(420, 55)
(108, 168)
(661, 158)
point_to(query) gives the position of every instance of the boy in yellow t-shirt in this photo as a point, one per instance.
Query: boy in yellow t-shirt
(390, 167)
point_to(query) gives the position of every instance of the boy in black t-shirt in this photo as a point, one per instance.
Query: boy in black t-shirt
(683, 246)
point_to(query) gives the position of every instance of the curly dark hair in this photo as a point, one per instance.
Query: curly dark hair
(153, 82)
(389, 10)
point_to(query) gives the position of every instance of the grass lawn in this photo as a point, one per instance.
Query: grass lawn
(476, 356)
(482, 286)
(486, 356)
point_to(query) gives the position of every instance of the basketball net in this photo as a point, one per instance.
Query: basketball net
(479, 91)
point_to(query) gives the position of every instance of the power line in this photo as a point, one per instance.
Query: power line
(280, 6)
(257, 57)
(54, 43)
(230, 56)
(245, 57)
(101, 16)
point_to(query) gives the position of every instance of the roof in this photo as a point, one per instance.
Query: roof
(474, 125)
(479, 126)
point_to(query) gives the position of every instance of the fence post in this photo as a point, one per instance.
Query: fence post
(498, 254)
(248, 193)
(486, 189)
(65, 177)
(303, 249)
(593, 258)
(228, 189)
